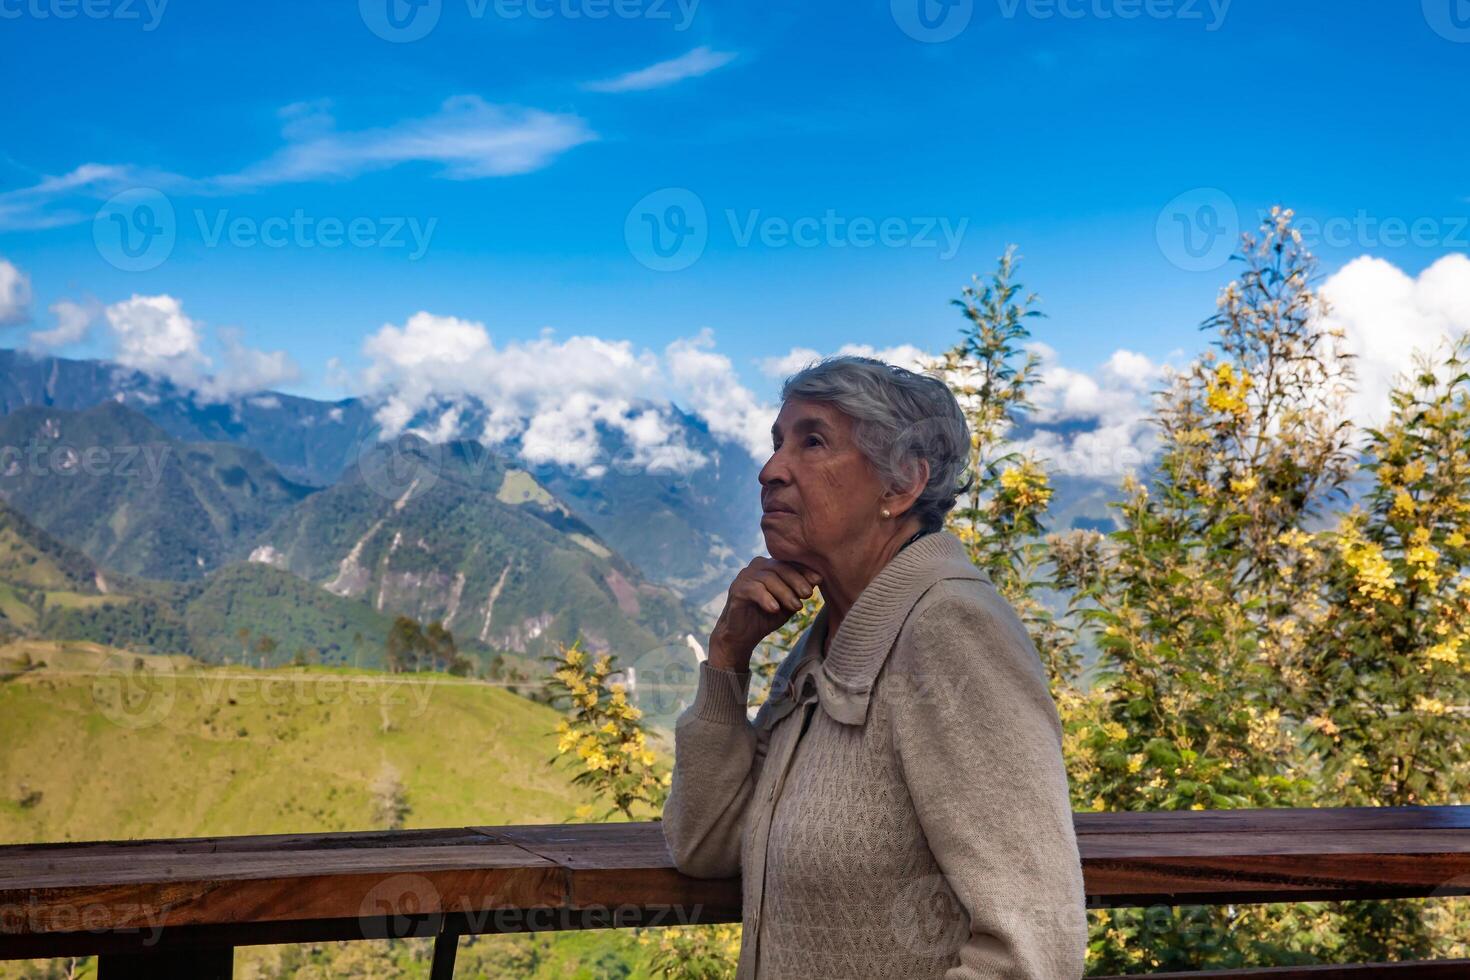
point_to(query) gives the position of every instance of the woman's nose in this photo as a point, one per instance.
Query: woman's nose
(774, 471)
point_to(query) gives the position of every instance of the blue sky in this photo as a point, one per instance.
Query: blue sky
(519, 135)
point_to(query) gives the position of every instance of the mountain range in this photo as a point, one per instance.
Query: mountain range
(135, 516)
(691, 532)
(277, 514)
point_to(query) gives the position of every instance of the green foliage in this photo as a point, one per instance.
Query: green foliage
(1385, 677)
(606, 735)
(229, 614)
(507, 576)
(1000, 516)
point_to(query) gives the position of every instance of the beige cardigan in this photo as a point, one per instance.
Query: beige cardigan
(920, 825)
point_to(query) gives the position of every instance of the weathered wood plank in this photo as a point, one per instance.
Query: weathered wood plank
(1411, 970)
(58, 899)
(1290, 819)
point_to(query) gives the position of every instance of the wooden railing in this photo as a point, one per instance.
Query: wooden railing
(178, 908)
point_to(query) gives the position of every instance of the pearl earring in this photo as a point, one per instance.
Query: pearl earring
(886, 513)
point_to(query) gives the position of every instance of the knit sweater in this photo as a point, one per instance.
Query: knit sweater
(899, 806)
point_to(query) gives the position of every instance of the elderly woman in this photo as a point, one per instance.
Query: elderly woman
(899, 806)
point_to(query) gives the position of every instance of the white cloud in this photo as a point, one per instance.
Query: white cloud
(1094, 424)
(1387, 316)
(153, 334)
(550, 393)
(1085, 423)
(467, 137)
(712, 390)
(73, 322)
(904, 355)
(245, 369)
(15, 295)
(42, 205)
(700, 61)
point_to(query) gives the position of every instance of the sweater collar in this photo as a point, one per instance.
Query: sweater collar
(845, 677)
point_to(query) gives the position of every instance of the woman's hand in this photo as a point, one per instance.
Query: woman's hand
(763, 596)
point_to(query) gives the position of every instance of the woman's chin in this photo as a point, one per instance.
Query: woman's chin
(780, 547)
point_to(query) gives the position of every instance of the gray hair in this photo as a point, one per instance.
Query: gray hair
(899, 417)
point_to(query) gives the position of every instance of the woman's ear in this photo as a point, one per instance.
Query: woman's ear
(899, 502)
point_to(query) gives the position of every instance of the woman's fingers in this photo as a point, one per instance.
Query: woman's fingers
(776, 586)
(754, 591)
(796, 578)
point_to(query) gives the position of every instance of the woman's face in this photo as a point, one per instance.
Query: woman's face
(818, 491)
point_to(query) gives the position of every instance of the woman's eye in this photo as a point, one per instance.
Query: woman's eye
(813, 440)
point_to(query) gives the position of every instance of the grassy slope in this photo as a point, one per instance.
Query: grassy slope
(466, 753)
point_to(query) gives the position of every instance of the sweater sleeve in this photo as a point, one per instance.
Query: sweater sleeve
(978, 740)
(717, 755)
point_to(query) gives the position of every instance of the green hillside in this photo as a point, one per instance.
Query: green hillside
(223, 751)
(298, 616)
(30, 558)
(112, 484)
(451, 533)
(52, 591)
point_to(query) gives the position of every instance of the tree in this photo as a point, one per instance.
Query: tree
(999, 516)
(1203, 601)
(265, 646)
(605, 733)
(406, 645)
